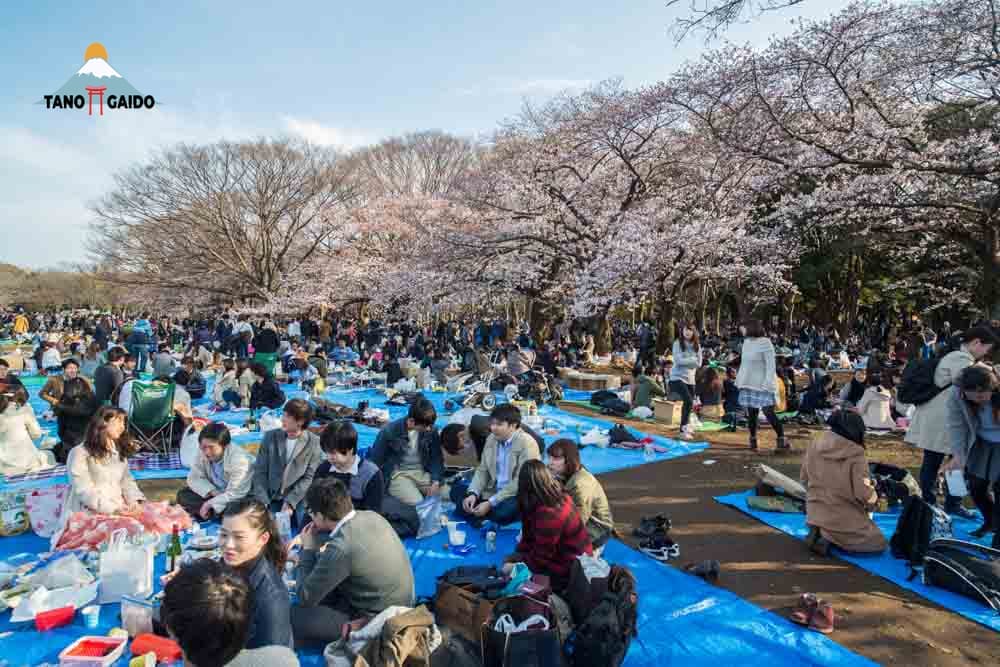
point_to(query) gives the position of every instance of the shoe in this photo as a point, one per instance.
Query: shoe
(803, 613)
(650, 526)
(660, 548)
(963, 513)
(706, 569)
(783, 445)
(753, 444)
(822, 618)
(982, 531)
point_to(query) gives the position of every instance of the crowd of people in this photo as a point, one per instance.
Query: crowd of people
(350, 512)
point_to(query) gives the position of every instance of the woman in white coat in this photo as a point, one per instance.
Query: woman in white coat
(99, 479)
(928, 430)
(875, 406)
(757, 381)
(18, 428)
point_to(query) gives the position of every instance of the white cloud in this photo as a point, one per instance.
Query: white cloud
(326, 135)
(507, 86)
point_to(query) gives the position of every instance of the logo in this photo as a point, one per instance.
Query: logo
(97, 86)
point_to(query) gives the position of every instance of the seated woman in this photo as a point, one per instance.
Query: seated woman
(840, 491)
(644, 387)
(587, 493)
(251, 544)
(189, 378)
(305, 373)
(226, 390)
(875, 406)
(99, 478)
(18, 428)
(818, 396)
(265, 392)
(851, 393)
(287, 461)
(709, 392)
(552, 535)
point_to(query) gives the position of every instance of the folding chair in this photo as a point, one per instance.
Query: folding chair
(151, 414)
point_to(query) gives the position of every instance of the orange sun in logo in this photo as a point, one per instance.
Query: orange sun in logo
(95, 50)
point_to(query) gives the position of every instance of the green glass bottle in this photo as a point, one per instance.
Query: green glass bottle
(174, 551)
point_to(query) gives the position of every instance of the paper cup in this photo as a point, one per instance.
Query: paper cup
(91, 616)
(457, 538)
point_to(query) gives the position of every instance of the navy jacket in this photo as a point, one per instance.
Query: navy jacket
(270, 623)
(387, 452)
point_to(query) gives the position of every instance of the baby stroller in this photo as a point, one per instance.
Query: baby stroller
(475, 394)
(537, 386)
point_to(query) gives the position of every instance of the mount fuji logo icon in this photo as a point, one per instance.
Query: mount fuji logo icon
(96, 86)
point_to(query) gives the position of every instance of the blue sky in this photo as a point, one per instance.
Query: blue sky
(339, 73)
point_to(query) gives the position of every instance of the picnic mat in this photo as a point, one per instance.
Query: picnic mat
(883, 565)
(682, 619)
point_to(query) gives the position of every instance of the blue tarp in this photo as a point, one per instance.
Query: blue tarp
(683, 620)
(884, 565)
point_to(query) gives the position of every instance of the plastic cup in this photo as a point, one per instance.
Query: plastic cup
(457, 538)
(91, 616)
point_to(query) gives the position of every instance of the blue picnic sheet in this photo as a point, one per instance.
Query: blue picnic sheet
(682, 620)
(884, 565)
(568, 425)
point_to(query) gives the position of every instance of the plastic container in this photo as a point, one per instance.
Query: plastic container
(93, 652)
(457, 538)
(138, 615)
(165, 649)
(54, 618)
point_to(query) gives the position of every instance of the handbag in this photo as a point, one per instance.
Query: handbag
(520, 633)
(126, 568)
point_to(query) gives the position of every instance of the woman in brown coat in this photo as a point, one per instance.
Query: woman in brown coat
(840, 491)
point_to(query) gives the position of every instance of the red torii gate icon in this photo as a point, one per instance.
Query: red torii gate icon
(99, 91)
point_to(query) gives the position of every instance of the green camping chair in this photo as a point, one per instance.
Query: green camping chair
(268, 359)
(151, 414)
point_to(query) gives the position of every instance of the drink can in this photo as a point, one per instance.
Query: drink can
(491, 541)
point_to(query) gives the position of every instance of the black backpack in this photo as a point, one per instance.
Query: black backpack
(919, 524)
(485, 579)
(965, 568)
(619, 433)
(616, 407)
(917, 384)
(893, 483)
(603, 638)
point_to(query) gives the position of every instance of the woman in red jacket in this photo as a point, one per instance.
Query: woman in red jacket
(552, 533)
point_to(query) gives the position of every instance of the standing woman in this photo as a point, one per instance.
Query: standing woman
(973, 423)
(756, 381)
(687, 360)
(251, 544)
(99, 479)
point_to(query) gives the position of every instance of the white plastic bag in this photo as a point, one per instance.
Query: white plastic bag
(642, 412)
(955, 480)
(429, 511)
(595, 437)
(126, 568)
(269, 421)
(61, 572)
(189, 446)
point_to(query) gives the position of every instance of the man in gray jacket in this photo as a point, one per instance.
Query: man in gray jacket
(287, 461)
(359, 569)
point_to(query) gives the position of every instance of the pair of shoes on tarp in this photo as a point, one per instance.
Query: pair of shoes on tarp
(656, 541)
(815, 613)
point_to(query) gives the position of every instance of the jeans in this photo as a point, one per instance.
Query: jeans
(686, 392)
(928, 480)
(504, 513)
(231, 396)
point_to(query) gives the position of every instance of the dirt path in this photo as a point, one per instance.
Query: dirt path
(876, 618)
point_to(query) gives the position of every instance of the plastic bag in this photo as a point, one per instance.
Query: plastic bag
(283, 520)
(269, 421)
(518, 577)
(126, 568)
(189, 446)
(642, 412)
(45, 507)
(13, 513)
(594, 567)
(429, 511)
(65, 570)
(595, 437)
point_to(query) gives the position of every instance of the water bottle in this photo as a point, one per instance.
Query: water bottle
(491, 541)
(648, 453)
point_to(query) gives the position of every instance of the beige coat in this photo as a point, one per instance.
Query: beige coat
(592, 503)
(237, 468)
(18, 454)
(875, 408)
(840, 493)
(928, 428)
(484, 481)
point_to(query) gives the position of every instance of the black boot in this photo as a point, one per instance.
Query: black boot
(783, 444)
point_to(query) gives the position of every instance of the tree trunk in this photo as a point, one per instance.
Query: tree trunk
(602, 339)
(541, 318)
(665, 325)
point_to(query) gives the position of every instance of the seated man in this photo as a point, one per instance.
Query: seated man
(208, 609)
(840, 491)
(189, 378)
(221, 474)
(343, 354)
(492, 492)
(408, 452)
(287, 461)
(163, 361)
(360, 570)
(339, 442)
(456, 437)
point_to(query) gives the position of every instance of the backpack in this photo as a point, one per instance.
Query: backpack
(484, 579)
(616, 407)
(893, 483)
(603, 638)
(599, 397)
(918, 525)
(619, 433)
(917, 384)
(965, 568)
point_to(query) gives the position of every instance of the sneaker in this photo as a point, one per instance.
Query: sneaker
(822, 618)
(661, 548)
(803, 613)
(706, 569)
(649, 526)
(687, 433)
